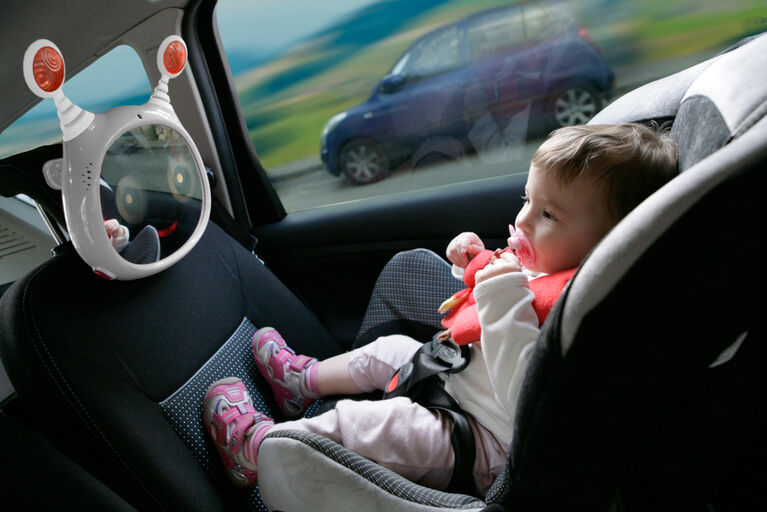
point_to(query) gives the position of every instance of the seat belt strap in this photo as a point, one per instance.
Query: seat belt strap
(419, 380)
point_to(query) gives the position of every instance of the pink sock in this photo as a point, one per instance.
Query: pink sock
(310, 379)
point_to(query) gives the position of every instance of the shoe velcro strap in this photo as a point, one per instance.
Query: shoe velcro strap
(298, 363)
(295, 362)
(234, 414)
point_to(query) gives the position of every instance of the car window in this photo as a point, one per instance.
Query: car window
(434, 54)
(117, 78)
(495, 31)
(542, 22)
(332, 120)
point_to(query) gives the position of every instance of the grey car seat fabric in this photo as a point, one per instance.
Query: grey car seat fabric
(644, 392)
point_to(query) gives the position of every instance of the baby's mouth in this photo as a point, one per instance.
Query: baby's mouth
(521, 247)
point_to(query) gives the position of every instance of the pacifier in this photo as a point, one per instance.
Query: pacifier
(521, 247)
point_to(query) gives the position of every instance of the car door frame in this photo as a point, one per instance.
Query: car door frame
(330, 256)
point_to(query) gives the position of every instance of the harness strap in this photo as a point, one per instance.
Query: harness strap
(419, 380)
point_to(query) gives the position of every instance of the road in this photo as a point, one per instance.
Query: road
(309, 185)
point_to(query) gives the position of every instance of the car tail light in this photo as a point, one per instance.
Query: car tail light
(584, 34)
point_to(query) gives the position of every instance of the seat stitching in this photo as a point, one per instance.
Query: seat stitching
(62, 384)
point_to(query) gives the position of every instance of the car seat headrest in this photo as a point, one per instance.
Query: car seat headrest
(719, 105)
(724, 101)
(708, 104)
(659, 99)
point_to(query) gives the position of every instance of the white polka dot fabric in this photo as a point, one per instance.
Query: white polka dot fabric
(184, 407)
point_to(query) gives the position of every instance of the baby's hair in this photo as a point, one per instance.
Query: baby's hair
(628, 161)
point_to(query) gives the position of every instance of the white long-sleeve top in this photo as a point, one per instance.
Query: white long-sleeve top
(488, 388)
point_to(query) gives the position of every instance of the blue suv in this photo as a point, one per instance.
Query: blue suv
(479, 85)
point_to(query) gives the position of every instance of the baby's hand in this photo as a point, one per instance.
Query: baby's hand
(463, 248)
(114, 229)
(506, 263)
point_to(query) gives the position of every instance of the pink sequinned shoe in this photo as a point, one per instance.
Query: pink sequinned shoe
(236, 428)
(285, 371)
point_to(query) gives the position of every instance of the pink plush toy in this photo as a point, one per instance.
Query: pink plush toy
(462, 320)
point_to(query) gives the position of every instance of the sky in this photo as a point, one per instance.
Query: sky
(263, 23)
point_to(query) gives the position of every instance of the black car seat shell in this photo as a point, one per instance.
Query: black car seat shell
(644, 392)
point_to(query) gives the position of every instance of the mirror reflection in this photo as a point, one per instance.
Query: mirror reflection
(151, 195)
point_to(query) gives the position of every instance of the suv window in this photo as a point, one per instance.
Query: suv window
(495, 31)
(334, 114)
(434, 54)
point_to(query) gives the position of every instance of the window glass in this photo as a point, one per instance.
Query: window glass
(495, 31)
(333, 119)
(434, 54)
(542, 22)
(117, 78)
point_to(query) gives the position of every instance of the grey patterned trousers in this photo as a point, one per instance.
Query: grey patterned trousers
(406, 297)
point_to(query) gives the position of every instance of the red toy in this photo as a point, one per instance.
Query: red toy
(463, 320)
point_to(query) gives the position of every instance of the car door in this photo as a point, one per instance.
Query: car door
(429, 100)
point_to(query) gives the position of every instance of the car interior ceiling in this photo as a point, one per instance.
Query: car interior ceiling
(102, 368)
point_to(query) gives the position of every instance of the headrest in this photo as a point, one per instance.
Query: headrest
(723, 99)
(711, 103)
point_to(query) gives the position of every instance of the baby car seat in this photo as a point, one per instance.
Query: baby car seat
(645, 389)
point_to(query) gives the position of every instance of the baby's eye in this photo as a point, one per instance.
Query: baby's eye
(525, 199)
(548, 215)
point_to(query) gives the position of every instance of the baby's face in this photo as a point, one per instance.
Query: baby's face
(562, 222)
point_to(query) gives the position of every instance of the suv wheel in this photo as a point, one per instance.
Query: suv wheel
(364, 161)
(575, 105)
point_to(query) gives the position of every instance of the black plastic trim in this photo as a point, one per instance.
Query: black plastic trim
(252, 197)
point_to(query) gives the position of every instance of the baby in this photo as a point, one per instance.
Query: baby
(118, 234)
(582, 181)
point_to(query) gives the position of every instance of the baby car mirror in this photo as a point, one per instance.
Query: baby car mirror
(135, 193)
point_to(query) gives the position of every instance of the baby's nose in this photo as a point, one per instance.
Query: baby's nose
(522, 222)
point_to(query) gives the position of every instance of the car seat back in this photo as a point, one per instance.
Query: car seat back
(114, 372)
